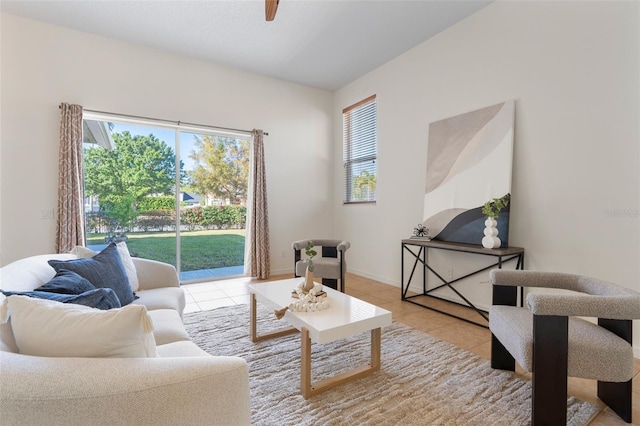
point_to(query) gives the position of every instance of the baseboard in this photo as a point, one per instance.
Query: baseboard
(285, 271)
(373, 277)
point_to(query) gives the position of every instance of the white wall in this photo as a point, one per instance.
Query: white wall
(572, 68)
(43, 65)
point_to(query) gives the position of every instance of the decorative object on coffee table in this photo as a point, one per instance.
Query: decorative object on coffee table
(310, 296)
(307, 301)
(308, 277)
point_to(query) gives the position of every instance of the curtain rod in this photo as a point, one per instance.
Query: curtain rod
(161, 120)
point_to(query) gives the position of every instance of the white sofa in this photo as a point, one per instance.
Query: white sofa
(183, 385)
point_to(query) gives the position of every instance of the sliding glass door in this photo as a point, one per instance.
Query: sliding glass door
(213, 205)
(173, 196)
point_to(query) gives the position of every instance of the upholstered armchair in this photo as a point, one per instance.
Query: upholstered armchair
(331, 267)
(550, 341)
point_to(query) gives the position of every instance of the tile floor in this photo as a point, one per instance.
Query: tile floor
(215, 294)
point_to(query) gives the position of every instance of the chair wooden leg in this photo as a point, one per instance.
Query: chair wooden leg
(618, 397)
(549, 383)
(296, 258)
(501, 359)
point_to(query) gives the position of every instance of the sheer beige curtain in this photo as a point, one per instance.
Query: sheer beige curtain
(257, 257)
(70, 226)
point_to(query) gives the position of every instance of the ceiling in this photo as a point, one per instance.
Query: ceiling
(319, 43)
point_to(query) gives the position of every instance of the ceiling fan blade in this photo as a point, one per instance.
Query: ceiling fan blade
(271, 6)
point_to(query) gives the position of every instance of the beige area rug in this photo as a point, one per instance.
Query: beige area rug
(423, 381)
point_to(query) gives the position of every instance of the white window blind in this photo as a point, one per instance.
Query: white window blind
(359, 126)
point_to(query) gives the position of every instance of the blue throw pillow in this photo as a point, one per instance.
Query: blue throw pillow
(67, 282)
(104, 270)
(101, 298)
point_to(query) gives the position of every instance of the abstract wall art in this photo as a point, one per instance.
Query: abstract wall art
(469, 161)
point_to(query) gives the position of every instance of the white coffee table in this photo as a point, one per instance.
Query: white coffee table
(346, 316)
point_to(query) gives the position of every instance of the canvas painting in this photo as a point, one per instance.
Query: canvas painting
(469, 160)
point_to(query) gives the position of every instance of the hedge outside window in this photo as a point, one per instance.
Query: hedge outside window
(360, 151)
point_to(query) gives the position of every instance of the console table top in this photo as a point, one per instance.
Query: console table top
(468, 248)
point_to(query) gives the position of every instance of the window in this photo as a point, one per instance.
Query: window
(359, 126)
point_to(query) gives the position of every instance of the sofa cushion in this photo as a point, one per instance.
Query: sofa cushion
(29, 273)
(162, 298)
(53, 329)
(104, 270)
(167, 326)
(100, 298)
(7, 341)
(125, 257)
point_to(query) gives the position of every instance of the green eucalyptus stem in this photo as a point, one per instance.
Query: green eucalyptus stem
(310, 252)
(492, 208)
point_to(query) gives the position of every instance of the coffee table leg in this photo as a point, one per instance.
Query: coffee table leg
(305, 363)
(309, 389)
(252, 319)
(253, 327)
(376, 338)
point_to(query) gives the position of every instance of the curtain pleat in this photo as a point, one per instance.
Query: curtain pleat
(70, 225)
(258, 259)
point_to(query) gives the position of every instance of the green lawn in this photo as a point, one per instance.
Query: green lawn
(200, 249)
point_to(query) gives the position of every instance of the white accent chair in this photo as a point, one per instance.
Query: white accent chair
(550, 340)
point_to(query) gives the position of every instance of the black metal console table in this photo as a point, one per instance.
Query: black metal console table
(503, 255)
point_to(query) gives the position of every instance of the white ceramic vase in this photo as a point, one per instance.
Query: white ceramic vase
(491, 239)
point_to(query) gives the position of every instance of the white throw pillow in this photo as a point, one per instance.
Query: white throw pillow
(53, 329)
(125, 256)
